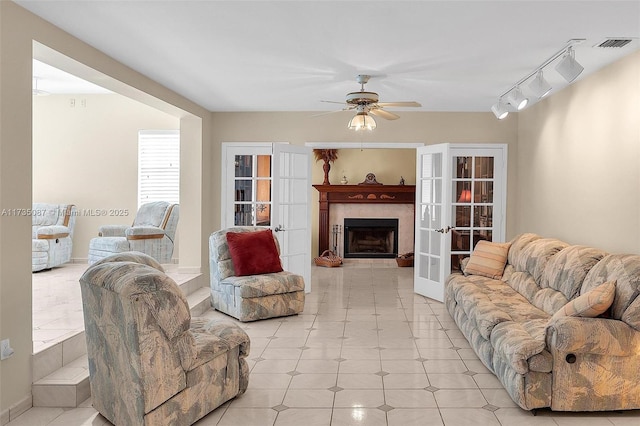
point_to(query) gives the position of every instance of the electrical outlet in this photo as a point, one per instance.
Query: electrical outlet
(5, 349)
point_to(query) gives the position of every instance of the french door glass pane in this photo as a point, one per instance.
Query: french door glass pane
(244, 166)
(484, 168)
(252, 199)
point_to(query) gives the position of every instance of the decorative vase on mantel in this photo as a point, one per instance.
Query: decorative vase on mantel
(328, 156)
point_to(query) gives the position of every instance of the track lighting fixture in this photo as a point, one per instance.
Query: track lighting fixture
(567, 67)
(500, 110)
(539, 86)
(517, 99)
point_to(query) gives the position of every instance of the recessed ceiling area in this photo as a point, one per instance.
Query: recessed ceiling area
(291, 55)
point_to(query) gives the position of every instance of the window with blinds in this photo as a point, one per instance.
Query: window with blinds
(158, 166)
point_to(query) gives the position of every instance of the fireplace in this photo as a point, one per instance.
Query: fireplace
(370, 238)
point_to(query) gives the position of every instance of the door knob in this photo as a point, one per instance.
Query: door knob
(445, 230)
(278, 228)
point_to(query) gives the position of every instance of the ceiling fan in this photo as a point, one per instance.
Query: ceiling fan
(365, 103)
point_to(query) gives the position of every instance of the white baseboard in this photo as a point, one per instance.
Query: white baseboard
(15, 410)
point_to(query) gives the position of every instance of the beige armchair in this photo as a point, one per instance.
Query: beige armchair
(51, 234)
(150, 363)
(153, 232)
(251, 297)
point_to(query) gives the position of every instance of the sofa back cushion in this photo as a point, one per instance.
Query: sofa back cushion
(44, 214)
(530, 254)
(567, 269)
(625, 270)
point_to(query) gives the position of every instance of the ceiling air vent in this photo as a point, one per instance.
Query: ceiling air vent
(614, 42)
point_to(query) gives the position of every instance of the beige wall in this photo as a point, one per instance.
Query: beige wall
(88, 156)
(18, 31)
(579, 161)
(413, 127)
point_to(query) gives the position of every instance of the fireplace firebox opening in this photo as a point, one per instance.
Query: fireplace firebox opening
(370, 238)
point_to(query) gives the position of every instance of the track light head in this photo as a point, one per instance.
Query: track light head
(500, 110)
(568, 67)
(517, 99)
(539, 86)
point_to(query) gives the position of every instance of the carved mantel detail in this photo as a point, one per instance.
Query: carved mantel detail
(363, 194)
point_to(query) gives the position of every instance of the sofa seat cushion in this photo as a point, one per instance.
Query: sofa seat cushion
(110, 244)
(488, 302)
(516, 342)
(266, 284)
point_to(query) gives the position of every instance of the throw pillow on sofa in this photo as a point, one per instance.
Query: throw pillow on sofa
(253, 253)
(488, 259)
(590, 304)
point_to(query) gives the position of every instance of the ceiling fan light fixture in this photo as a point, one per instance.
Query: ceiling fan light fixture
(362, 121)
(568, 67)
(517, 99)
(539, 86)
(500, 110)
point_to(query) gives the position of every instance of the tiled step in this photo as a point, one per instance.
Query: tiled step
(61, 373)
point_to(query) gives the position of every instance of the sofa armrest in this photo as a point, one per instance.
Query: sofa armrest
(52, 232)
(144, 233)
(112, 230)
(599, 336)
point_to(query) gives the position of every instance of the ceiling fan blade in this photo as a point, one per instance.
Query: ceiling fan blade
(399, 104)
(330, 112)
(334, 102)
(384, 114)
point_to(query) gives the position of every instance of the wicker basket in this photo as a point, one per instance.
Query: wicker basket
(328, 259)
(404, 260)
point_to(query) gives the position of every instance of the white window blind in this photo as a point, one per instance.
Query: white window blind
(158, 166)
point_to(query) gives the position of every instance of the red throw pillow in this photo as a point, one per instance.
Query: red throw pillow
(253, 253)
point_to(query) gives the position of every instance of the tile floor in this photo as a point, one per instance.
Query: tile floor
(366, 351)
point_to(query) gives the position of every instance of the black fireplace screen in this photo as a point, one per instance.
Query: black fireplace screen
(370, 238)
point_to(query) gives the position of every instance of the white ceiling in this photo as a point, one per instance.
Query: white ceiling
(290, 55)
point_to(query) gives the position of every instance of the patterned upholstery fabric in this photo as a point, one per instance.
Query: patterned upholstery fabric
(251, 297)
(51, 234)
(566, 363)
(149, 362)
(153, 232)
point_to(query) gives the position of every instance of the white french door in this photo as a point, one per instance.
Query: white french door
(291, 218)
(460, 200)
(268, 184)
(430, 257)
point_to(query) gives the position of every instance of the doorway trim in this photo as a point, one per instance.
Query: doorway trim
(367, 145)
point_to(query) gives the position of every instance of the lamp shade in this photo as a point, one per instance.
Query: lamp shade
(568, 67)
(362, 121)
(539, 86)
(500, 110)
(517, 99)
(465, 196)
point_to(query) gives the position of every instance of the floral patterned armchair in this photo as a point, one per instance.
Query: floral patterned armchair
(251, 297)
(150, 363)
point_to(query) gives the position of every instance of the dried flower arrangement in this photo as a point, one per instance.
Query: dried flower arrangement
(327, 155)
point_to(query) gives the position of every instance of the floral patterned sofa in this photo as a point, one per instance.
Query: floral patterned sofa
(150, 363)
(541, 329)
